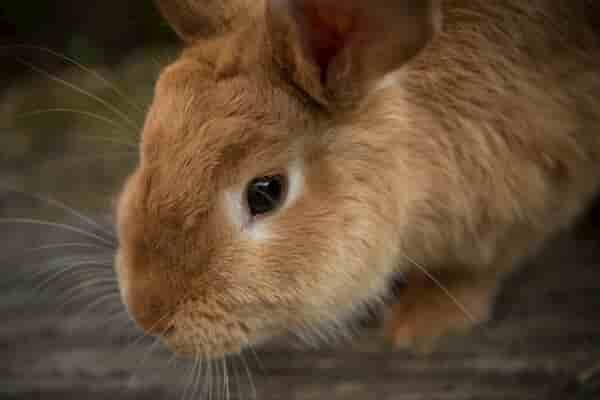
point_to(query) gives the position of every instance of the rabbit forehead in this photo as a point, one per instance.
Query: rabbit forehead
(187, 167)
(194, 85)
(209, 133)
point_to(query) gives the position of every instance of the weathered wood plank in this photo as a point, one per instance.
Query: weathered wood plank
(543, 343)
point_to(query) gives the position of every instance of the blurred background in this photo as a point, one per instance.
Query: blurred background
(75, 80)
(58, 106)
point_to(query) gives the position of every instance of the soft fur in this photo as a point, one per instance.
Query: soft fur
(447, 155)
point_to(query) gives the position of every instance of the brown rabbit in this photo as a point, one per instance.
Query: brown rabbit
(300, 154)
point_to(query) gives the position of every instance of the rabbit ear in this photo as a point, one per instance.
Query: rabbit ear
(193, 19)
(337, 48)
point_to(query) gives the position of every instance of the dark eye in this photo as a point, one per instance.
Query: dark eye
(266, 194)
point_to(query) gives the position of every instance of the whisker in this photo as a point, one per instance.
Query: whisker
(226, 378)
(69, 296)
(116, 314)
(311, 337)
(64, 207)
(151, 349)
(96, 283)
(71, 268)
(30, 250)
(102, 261)
(249, 375)
(65, 274)
(129, 144)
(140, 362)
(219, 386)
(56, 225)
(84, 113)
(102, 299)
(257, 359)
(88, 70)
(189, 382)
(51, 264)
(76, 161)
(63, 262)
(79, 90)
(236, 377)
(206, 377)
(205, 389)
(198, 374)
(144, 336)
(210, 378)
(442, 287)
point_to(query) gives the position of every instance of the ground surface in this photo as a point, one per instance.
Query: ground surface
(544, 343)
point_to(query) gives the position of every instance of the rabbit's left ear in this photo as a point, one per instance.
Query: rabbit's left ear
(337, 48)
(196, 19)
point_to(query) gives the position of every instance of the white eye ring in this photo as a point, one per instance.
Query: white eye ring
(295, 183)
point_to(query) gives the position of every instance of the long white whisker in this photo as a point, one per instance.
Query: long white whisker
(205, 375)
(73, 162)
(143, 336)
(249, 375)
(65, 227)
(190, 381)
(236, 377)
(54, 247)
(66, 273)
(118, 316)
(63, 263)
(68, 298)
(90, 71)
(439, 284)
(77, 89)
(210, 379)
(84, 113)
(67, 270)
(257, 359)
(75, 292)
(151, 349)
(226, 378)
(62, 206)
(103, 298)
(220, 392)
(198, 377)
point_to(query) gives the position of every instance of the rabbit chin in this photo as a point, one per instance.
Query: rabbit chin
(187, 344)
(215, 336)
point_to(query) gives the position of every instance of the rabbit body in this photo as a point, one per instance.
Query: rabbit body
(443, 141)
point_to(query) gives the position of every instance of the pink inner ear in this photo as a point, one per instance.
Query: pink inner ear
(328, 27)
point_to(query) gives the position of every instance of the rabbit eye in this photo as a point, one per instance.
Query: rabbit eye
(264, 195)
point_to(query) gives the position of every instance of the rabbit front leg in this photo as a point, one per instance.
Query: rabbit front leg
(433, 305)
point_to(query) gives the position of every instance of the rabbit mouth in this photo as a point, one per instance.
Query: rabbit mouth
(192, 345)
(199, 334)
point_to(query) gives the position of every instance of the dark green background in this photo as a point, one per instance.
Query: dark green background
(94, 32)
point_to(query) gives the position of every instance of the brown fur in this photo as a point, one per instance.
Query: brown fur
(488, 145)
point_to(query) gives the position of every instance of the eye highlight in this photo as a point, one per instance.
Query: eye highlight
(265, 194)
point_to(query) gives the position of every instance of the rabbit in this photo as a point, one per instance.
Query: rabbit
(300, 155)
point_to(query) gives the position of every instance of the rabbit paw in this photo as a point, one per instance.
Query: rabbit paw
(429, 310)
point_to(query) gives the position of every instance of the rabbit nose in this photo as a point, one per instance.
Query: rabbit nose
(150, 308)
(149, 300)
(151, 315)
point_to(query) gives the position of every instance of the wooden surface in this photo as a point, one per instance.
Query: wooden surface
(543, 343)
